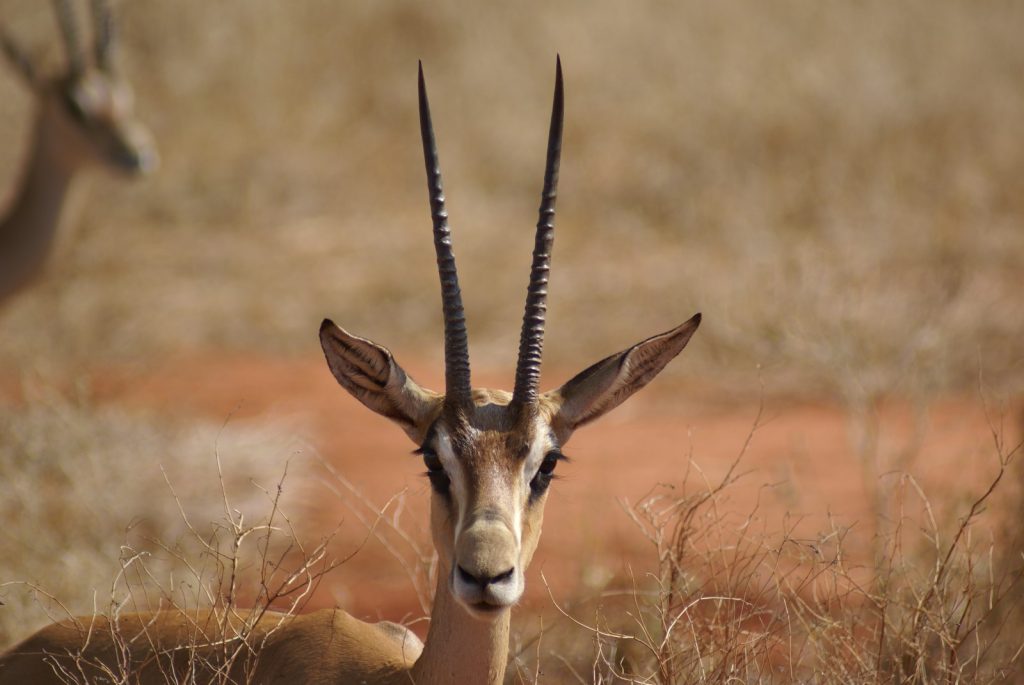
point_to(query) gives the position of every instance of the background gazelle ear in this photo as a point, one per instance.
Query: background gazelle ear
(608, 383)
(18, 58)
(371, 375)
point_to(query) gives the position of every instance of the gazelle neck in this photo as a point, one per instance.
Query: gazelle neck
(28, 230)
(460, 648)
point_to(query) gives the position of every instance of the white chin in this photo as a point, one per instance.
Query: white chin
(484, 611)
(485, 605)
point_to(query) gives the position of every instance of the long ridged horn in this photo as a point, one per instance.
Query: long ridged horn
(531, 341)
(72, 39)
(105, 34)
(456, 342)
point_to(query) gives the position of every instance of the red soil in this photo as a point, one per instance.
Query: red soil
(805, 450)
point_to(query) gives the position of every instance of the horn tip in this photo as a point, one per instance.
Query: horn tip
(559, 90)
(421, 85)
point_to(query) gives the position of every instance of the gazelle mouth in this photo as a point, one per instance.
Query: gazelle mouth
(486, 609)
(137, 162)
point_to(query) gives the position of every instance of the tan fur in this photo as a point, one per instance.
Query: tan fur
(155, 647)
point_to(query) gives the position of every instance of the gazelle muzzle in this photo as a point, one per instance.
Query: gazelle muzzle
(486, 573)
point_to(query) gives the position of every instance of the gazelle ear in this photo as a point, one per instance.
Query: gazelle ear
(19, 59)
(608, 383)
(371, 375)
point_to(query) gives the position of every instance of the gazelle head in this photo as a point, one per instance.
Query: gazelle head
(89, 108)
(491, 455)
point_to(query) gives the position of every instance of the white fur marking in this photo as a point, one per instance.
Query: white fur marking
(456, 474)
(538, 450)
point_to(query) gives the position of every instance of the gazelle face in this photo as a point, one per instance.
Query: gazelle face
(489, 470)
(94, 116)
(490, 455)
(491, 462)
(88, 111)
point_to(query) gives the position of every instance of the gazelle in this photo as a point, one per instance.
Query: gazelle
(490, 457)
(84, 118)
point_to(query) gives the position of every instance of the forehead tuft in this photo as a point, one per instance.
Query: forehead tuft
(492, 433)
(491, 430)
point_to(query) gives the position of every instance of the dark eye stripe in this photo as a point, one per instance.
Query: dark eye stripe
(440, 482)
(433, 461)
(439, 479)
(548, 465)
(545, 473)
(428, 441)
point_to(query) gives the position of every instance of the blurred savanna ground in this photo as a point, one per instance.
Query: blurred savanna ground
(838, 187)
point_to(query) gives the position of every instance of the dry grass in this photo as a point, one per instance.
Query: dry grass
(732, 596)
(229, 597)
(92, 491)
(735, 599)
(838, 188)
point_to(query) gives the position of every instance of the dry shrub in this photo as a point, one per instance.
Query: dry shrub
(235, 587)
(93, 490)
(395, 528)
(735, 600)
(236, 569)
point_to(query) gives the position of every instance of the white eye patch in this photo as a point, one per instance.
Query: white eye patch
(542, 444)
(456, 474)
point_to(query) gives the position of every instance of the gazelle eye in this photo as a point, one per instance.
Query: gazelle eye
(75, 108)
(435, 471)
(546, 471)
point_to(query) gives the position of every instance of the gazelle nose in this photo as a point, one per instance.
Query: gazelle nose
(484, 581)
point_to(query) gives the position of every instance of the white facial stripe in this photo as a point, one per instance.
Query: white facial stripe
(517, 521)
(542, 444)
(456, 474)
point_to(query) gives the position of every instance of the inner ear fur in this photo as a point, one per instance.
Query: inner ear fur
(600, 388)
(370, 373)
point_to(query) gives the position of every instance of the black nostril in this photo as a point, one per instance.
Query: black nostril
(502, 577)
(468, 578)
